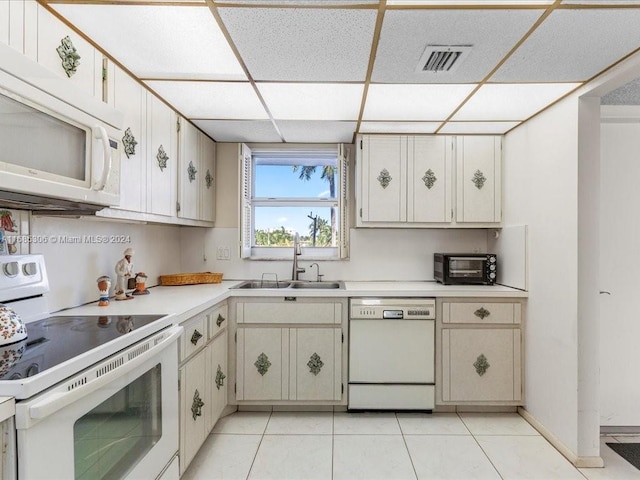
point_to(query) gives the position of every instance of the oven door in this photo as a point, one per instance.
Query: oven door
(117, 419)
(470, 269)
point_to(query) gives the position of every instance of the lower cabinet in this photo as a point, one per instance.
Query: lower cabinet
(289, 364)
(203, 380)
(480, 353)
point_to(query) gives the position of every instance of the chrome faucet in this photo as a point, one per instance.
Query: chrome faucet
(296, 251)
(318, 276)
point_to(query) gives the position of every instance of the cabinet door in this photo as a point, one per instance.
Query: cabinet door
(162, 159)
(129, 98)
(217, 376)
(207, 179)
(429, 179)
(383, 178)
(262, 364)
(189, 171)
(194, 336)
(52, 34)
(193, 403)
(315, 364)
(481, 365)
(478, 179)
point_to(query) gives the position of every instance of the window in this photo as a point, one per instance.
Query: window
(293, 190)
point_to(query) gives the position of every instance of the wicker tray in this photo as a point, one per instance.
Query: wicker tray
(190, 278)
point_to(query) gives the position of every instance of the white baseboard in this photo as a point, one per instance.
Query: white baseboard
(578, 462)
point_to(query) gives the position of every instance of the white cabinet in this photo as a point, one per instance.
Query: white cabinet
(288, 352)
(207, 179)
(480, 353)
(18, 25)
(66, 53)
(162, 157)
(421, 180)
(189, 171)
(130, 98)
(478, 179)
(203, 379)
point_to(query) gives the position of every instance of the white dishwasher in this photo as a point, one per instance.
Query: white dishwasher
(392, 354)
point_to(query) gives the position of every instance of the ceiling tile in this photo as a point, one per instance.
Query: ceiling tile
(215, 100)
(460, 3)
(511, 102)
(306, 44)
(309, 131)
(494, 128)
(304, 3)
(239, 130)
(413, 102)
(628, 94)
(406, 33)
(312, 101)
(399, 127)
(573, 45)
(165, 41)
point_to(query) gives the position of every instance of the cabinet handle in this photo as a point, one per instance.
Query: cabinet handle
(429, 179)
(162, 158)
(482, 313)
(196, 406)
(220, 378)
(315, 364)
(384, 178)
(195, 337)
(481, 364)
(220, 320)
(478, 179)
(69, 56)
(262, 363)
(208, 178)
(129, 143)
(191, 171)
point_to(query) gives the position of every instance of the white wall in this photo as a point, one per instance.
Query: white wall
(540, 173)
(74, 267)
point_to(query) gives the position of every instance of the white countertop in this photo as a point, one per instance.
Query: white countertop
(188, 300)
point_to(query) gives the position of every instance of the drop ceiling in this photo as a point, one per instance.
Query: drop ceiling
(324, 70)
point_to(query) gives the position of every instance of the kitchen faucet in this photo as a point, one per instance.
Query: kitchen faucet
(296, 251)
(318, 275)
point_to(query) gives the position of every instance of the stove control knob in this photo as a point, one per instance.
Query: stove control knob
(30, 269)
(11, 269)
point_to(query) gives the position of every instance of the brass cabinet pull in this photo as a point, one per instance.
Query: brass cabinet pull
(196, 406)
(481, 364)
(195, 337)
(482, 313)
(262, 364)
(220, 378)
(220, 320)
(315, 364)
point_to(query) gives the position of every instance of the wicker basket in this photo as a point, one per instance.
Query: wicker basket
(190, 278)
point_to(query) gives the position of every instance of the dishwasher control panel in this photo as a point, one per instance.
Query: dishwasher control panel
(393, 308)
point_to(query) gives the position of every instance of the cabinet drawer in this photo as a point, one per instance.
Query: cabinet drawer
(194, 337)
(280, 312)
(481, 365)
(481, 313)
(217, 320)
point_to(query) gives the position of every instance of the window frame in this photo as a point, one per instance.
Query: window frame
(248, 202)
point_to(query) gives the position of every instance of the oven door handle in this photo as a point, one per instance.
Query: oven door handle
(55, 401)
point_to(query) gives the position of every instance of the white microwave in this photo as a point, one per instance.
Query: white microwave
(56, 142)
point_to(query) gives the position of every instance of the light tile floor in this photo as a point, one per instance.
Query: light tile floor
(388, 446)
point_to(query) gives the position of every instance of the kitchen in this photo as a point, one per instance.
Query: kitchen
(561, 342)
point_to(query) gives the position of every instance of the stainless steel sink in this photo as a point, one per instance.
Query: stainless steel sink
(317, 285)
(258, 284)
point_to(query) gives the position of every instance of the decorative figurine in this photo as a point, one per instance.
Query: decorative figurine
(124, 269)
(104, 284)
(141, 281)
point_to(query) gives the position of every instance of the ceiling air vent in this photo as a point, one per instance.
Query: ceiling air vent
(442, 58)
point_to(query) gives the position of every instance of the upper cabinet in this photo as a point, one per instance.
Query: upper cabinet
(421, 181)
(162, 157)
(208, 179)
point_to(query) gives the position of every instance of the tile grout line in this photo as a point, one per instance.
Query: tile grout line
(480, 446)
(404, 440)
(259, 444)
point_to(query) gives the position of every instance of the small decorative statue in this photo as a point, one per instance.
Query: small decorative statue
(141, 281)
(104, 284)
(124, 269)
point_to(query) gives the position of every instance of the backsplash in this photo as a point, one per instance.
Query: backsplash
(78, 251)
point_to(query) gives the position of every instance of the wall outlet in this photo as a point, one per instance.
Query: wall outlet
(223, 253)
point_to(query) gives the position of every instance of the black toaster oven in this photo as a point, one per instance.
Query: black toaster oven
(465, 268)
